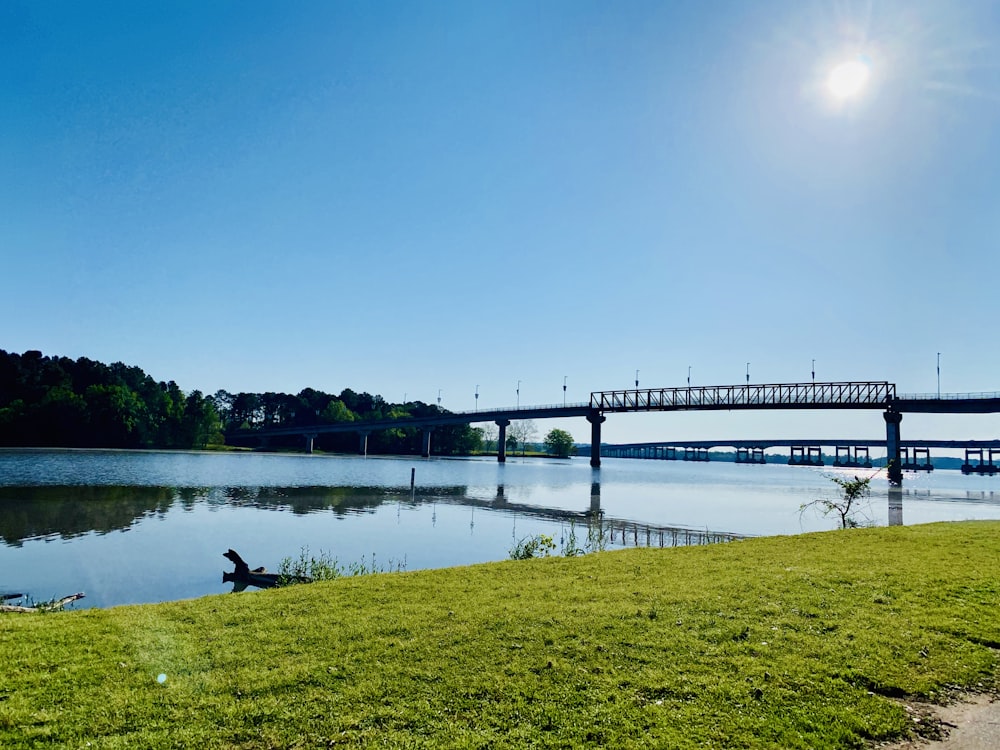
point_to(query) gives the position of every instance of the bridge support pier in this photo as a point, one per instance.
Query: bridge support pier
(805, 455)
(310, 439)
(503, 424)
(595, 419)
(847, 456)
(921, 460)
(980, 461)
(893, 462)
(363, 443)
(425, 451)
(750, 456)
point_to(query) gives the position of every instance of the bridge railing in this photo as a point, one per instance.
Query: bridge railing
(532, 407)
(864, 394)
(947, 396)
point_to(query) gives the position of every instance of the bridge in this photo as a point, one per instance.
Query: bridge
(981, 456)
(880, 395)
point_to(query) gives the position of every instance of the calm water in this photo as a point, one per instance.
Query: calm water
(128, 527)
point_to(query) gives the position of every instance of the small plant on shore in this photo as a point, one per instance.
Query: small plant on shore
(539, 545)
(324, 567)
(853, 499)
(597, 537)
(364, 568)
(597, 540)
(570, 547)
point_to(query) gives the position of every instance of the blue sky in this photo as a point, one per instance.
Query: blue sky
(404, 198)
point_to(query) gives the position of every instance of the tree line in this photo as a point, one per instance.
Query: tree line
(61, 402)
(310, 407)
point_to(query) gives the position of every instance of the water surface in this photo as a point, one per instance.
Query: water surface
(145, 526)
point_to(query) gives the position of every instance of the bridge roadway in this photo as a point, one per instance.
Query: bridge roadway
(860, 442)
(501, 417)
(850, 452)
(823, 395)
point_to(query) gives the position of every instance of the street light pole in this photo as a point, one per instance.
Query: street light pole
(439, 398)
(689, 376)
(939, 374)
(564, 389)
(477, 398)
(637, 379)
(814, 370)
(518, 394)
(748, 373)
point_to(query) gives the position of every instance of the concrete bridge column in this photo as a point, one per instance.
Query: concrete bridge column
(310, 438)
(595, 419)
(363, 443)
(893, 461)
(425, 451)
(503, 424)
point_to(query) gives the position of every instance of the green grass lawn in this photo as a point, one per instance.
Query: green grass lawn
(785, 642)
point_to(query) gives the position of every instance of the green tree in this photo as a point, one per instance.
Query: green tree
(337, 411)
(854, 492)
(201, 424)
(559, 443)
(116, 416)
(522, 430)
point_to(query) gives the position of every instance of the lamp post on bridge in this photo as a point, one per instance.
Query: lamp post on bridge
(814, 370)
(637, 380)
(689, 376)
(939, 374)
(564, 389)
(748, 373)
(518, 394)
(477, 397)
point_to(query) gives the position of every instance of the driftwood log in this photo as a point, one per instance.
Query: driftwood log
(47, 607)
(242, 576)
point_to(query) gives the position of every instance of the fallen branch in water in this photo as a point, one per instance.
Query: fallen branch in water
(259, 577)
(44, 607)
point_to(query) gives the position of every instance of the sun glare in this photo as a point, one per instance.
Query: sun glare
(848, 79)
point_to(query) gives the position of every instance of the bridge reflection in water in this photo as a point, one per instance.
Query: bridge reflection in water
(67, 512)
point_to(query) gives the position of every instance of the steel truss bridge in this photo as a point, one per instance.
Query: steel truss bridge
(879, 395)
(865, 395)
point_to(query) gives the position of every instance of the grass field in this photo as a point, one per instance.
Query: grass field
(787, 642)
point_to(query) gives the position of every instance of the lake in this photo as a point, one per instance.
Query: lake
(147, 526)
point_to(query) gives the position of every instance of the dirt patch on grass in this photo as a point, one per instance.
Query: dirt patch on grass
(970, 722)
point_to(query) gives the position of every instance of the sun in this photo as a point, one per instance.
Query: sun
(848, 79)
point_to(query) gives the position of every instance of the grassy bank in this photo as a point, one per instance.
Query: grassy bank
(781, 642)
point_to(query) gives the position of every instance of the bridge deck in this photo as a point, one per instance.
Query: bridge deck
(824, 395)
(805, 442)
